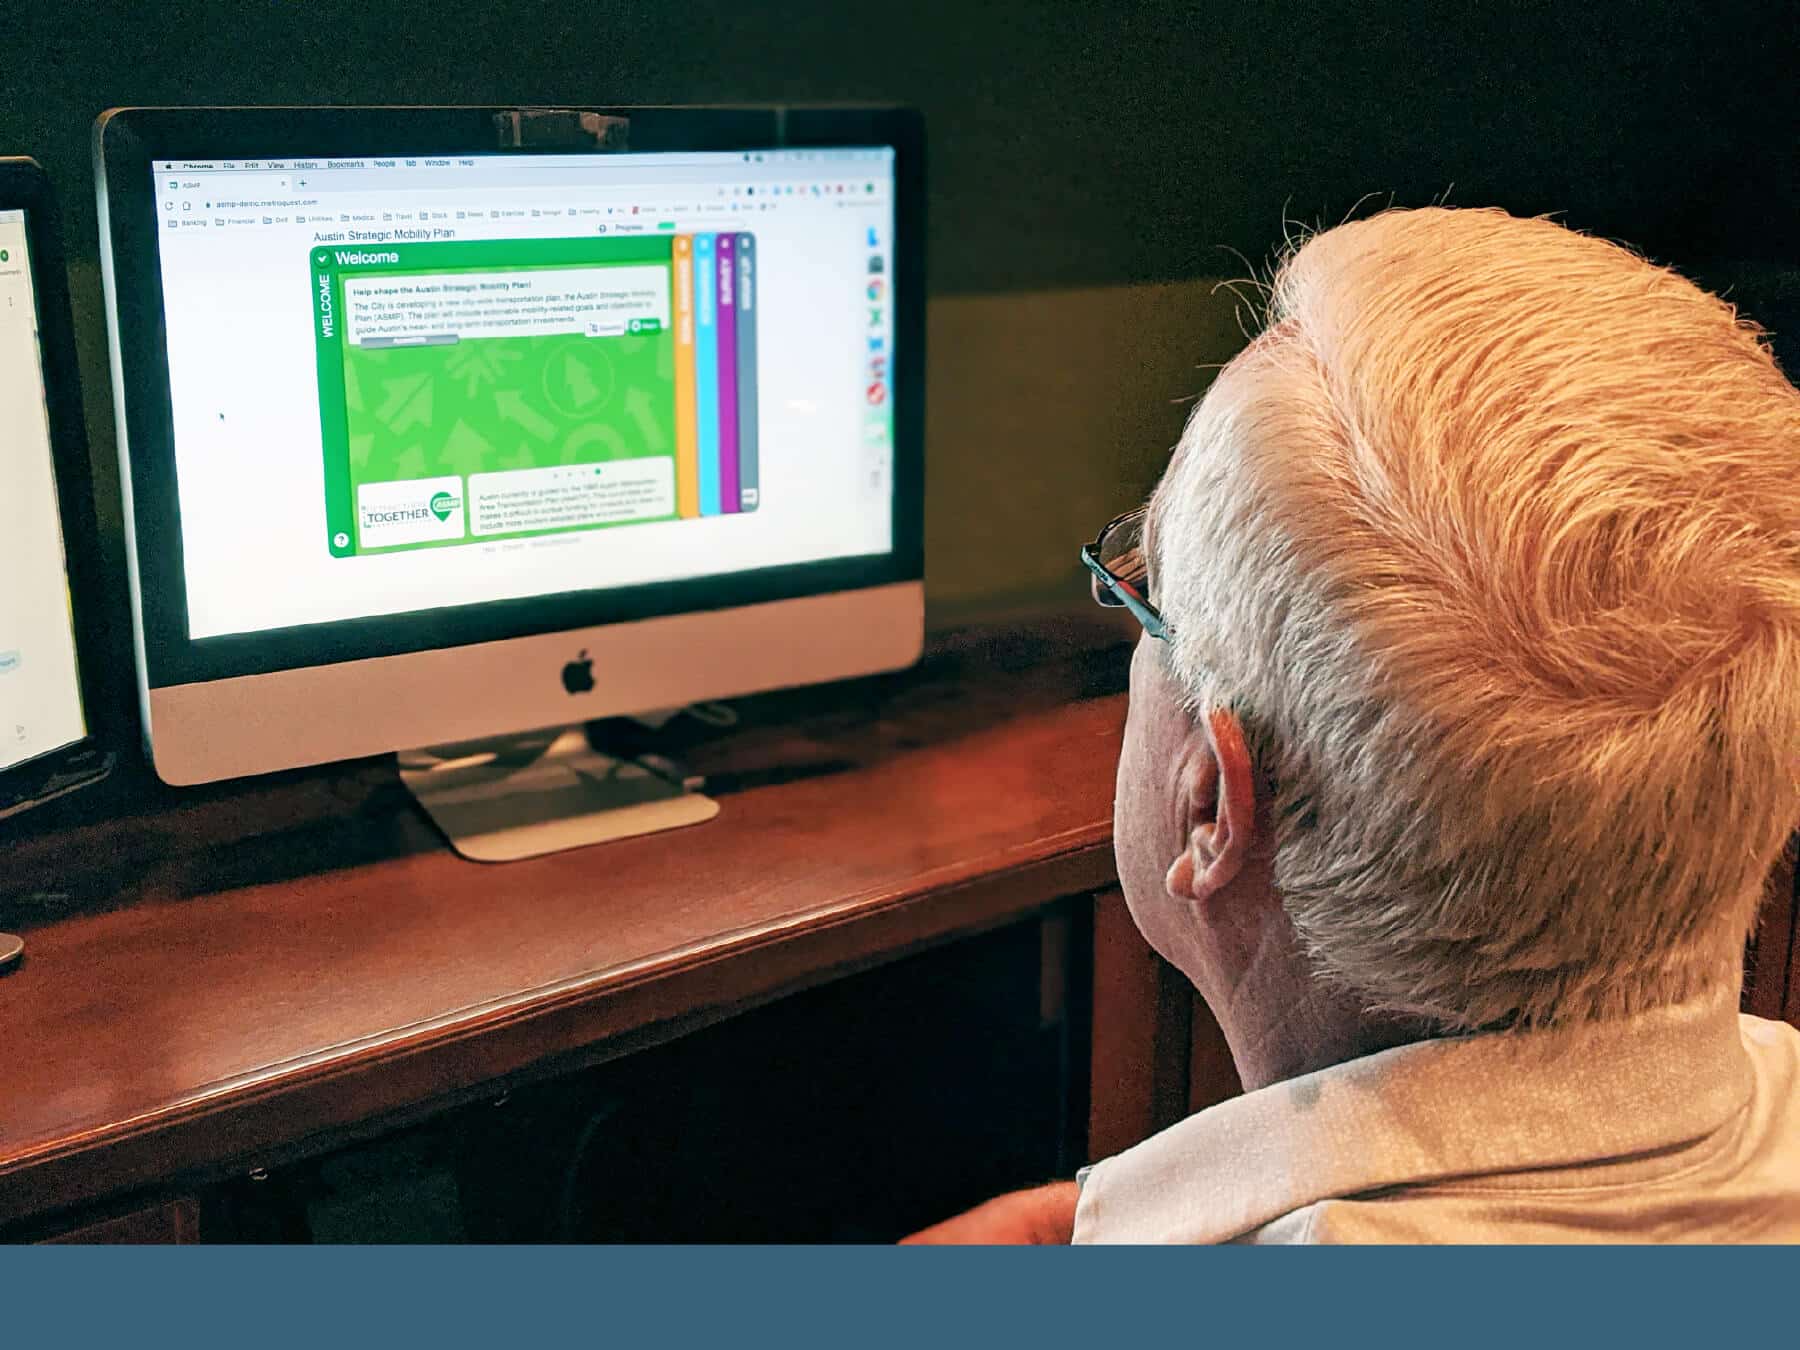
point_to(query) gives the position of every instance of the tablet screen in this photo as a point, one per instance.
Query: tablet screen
(40, 691)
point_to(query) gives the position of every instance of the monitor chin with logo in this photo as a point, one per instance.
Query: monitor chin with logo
(655, 399)
(578, 675)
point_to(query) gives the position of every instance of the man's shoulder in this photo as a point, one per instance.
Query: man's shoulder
(1682, 1124)
(1738, 1183)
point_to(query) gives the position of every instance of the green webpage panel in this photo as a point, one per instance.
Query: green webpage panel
(500, 389)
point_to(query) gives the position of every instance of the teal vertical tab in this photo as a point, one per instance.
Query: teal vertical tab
(706, 368)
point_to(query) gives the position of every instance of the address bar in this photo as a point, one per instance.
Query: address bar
(251, 185)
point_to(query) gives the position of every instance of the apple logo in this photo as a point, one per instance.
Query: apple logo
(578, 675)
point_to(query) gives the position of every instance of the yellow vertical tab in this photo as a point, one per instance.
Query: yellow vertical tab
(687, 439)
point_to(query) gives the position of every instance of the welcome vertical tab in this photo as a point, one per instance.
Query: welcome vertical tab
(706, 370)
(687, 446)
(328, 337)
(749, 485)
(728, 376)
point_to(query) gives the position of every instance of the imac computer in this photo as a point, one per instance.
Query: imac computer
(441, 424)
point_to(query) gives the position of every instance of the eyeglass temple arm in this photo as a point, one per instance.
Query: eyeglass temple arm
(1152, 621)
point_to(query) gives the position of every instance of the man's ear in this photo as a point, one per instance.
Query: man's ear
(1219, 806)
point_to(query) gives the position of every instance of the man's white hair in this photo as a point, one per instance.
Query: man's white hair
(1492, 540)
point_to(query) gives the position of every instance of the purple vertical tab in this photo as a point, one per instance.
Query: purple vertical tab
(729, 498)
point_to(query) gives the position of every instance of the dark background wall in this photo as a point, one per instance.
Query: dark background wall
(1072, 143)
(1077, 150)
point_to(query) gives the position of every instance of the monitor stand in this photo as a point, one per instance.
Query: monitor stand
(520, 796)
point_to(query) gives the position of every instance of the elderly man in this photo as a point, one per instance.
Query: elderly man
(1464, 731)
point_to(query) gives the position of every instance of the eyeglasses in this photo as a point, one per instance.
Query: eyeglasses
(1121, 571)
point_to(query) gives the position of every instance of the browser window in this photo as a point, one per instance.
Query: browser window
(40, 692)
(401, 384)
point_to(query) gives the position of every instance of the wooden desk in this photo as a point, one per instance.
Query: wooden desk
(226, 979)
(229, 977)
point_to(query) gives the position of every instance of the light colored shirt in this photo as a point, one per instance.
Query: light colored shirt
(1682, 1125)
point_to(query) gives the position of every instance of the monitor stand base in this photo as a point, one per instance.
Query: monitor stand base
(522, 796)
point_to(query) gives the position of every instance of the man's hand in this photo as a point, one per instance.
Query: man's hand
(1042, 1217)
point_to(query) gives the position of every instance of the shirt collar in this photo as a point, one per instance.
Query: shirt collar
(1465, 1106)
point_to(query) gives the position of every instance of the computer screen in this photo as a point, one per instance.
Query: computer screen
(40, 688)
(400, 384)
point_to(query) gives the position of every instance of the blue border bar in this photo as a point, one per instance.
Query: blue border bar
(916, 1298)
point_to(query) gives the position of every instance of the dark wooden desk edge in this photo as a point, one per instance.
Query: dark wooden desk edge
(354, 1091)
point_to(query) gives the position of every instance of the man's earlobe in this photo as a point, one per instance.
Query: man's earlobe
(1209, 863)
(1180, 880)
